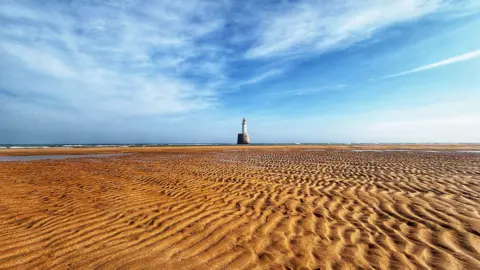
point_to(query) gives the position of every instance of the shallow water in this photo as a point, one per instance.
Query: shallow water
(398, 150)
(417, 151)
(42, 157)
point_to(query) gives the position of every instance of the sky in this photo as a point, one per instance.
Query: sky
(307, 71)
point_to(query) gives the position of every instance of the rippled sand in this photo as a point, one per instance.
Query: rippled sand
(243, 208)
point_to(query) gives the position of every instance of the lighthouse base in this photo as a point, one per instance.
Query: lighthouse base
(243, 139)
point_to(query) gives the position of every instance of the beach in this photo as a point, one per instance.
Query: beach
(242, 207)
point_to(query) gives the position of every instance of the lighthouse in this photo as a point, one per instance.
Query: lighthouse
(243, 137)
(244, 126)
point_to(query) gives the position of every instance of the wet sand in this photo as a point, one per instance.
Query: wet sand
(242, 208)
(42, 157)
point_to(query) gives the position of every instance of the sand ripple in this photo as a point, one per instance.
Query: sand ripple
(251, 209)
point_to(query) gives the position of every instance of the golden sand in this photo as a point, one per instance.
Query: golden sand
(242, 208)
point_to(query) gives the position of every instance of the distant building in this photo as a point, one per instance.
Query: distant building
(243, 137)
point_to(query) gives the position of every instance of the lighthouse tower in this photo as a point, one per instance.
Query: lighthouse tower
(243, 137)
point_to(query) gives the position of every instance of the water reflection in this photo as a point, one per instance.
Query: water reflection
(42, 157)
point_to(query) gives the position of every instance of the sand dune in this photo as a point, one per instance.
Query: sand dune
(243, 208)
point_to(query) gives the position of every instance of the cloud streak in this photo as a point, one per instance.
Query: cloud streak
(316, 26)
(304, 91)
(452, 60)
(263, 76)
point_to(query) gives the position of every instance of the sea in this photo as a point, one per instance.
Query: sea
(36, 146)
(113, 145)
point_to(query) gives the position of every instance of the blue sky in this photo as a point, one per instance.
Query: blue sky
(135, 71)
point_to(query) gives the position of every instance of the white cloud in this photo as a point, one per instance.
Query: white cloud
(116, 57)
(455, 121)
(305, 91)
(448, 61)
(38, 60)
(315, 26)
(262, 76)
(455, 128)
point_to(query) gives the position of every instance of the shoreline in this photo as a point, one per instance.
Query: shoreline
(207, 148)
